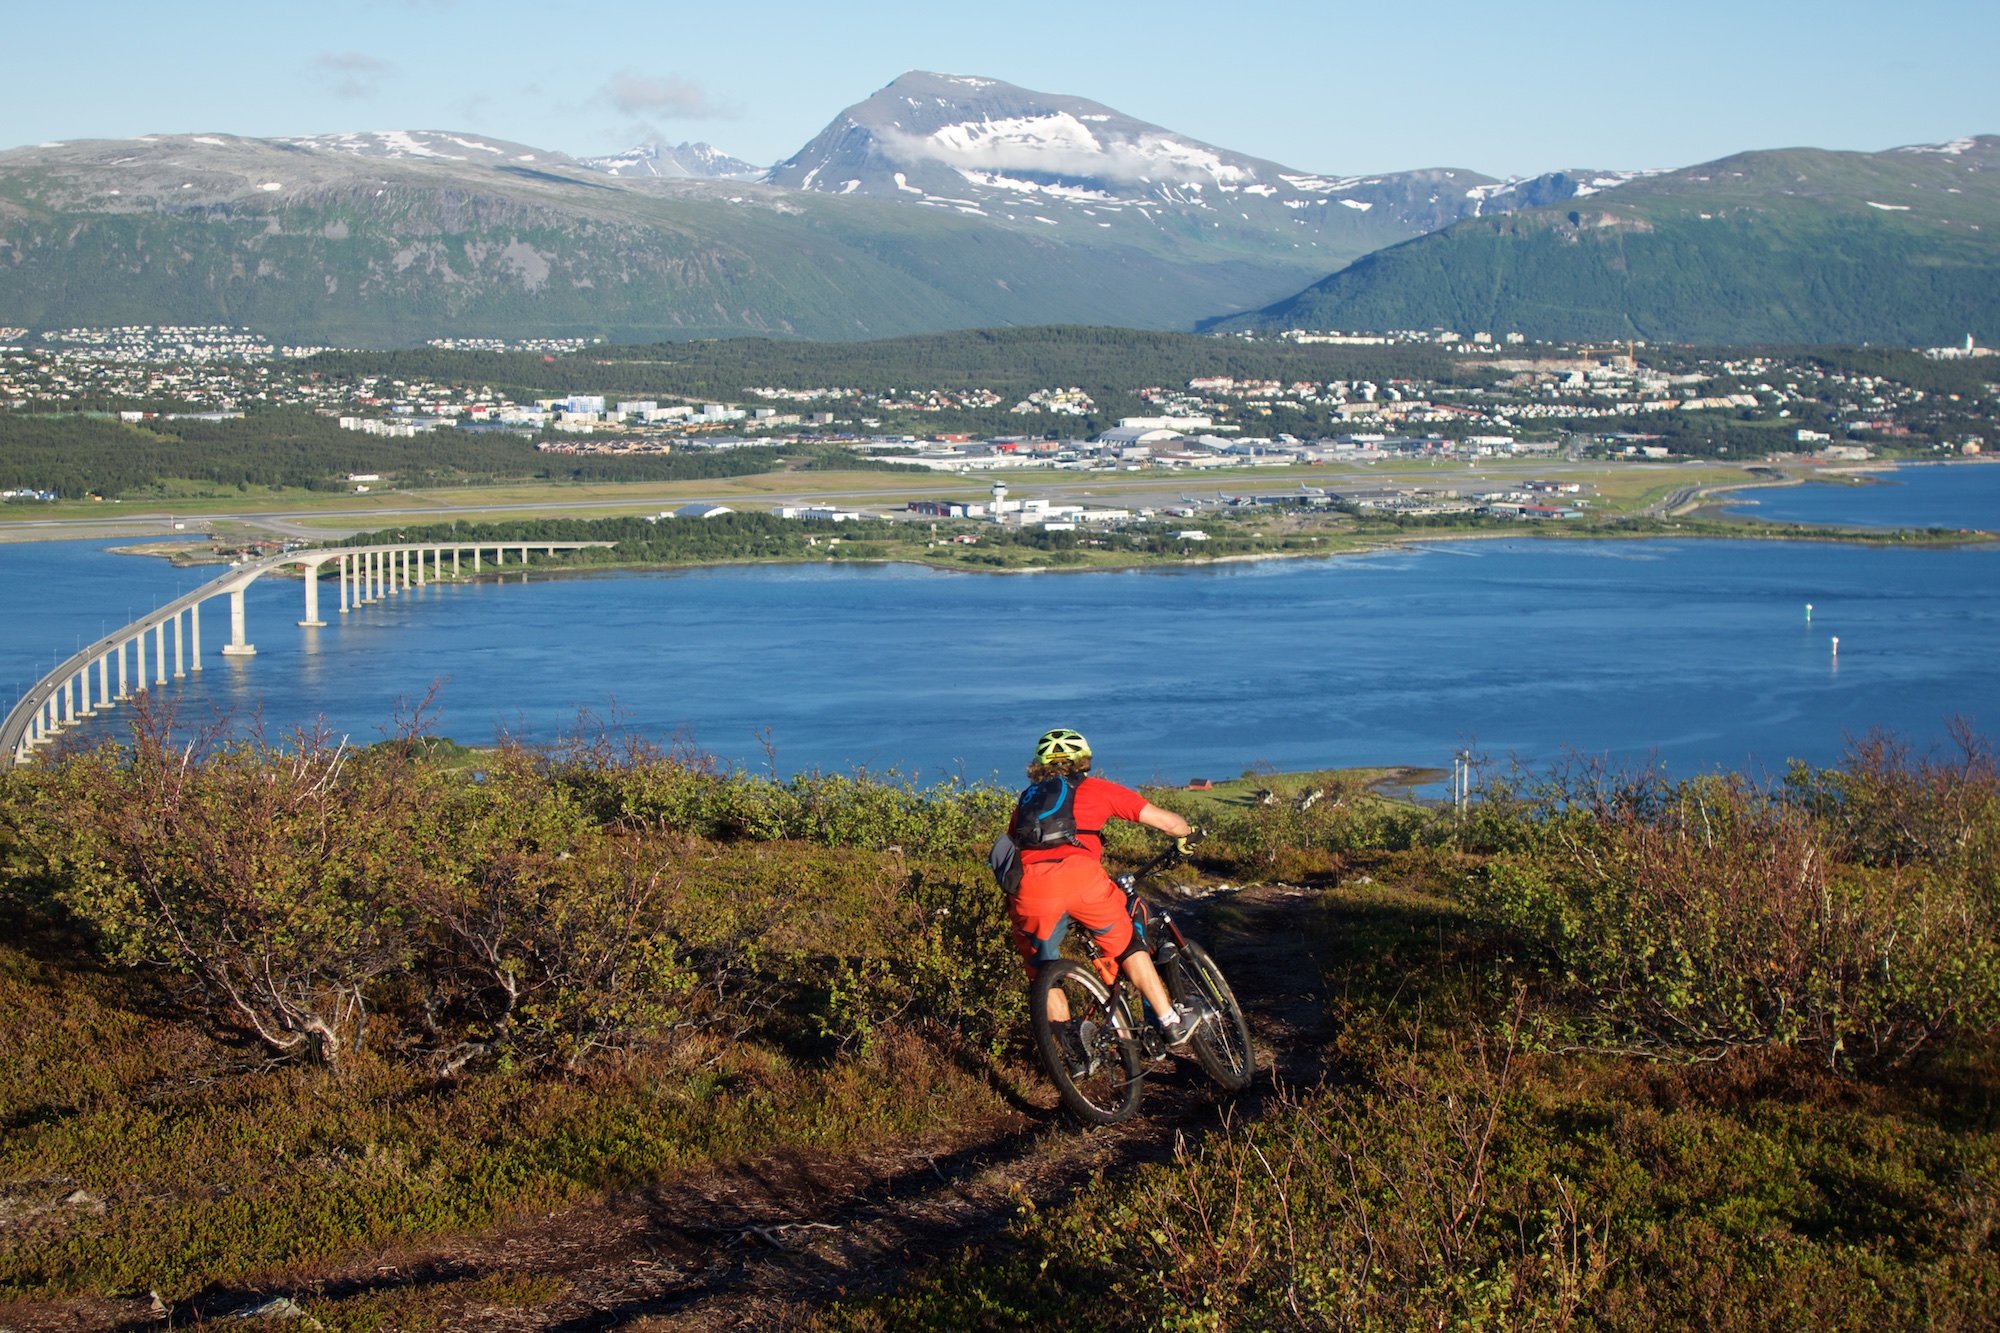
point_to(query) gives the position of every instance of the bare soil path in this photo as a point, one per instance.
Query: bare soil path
(759, 1242)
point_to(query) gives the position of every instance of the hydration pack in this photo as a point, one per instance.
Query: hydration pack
(1045, 815)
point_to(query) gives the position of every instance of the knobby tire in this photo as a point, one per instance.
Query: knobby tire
(1109, 1091)
(1223, 1043)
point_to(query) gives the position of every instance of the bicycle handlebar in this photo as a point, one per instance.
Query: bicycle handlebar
(1169, 857)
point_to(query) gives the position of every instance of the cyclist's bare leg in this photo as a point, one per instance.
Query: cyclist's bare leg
(1146, 977)
(1058, 1005)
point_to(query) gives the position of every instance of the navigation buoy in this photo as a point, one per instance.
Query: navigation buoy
(1808, 612)
(1836, 645)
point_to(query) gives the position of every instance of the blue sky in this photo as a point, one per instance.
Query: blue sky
(1511, 88)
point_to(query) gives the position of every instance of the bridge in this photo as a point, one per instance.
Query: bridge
(68, 696)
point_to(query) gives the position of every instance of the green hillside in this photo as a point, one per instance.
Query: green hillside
(320, 247)
(1792, 246)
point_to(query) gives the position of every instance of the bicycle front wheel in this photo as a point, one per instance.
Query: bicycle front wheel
(1097, 1074)
(1223, 1043)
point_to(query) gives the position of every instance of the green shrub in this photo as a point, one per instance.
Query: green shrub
(1702, 915)
(540, 911)
(1881, 807)
(267, 878)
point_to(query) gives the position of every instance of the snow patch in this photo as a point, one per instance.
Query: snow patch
(903, 184)
(271, 185)
(1361, 205)
(1061, 144)
(1321, 184)
(211, 139)
(1951, 149)
(375, 143)
(995, 181)
(1888, 208)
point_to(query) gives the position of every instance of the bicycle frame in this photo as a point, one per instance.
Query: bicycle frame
(1126, 1003)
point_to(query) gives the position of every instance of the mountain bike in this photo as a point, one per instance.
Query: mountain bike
(1098, 1059)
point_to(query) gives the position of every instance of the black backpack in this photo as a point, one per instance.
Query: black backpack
(1044, 817)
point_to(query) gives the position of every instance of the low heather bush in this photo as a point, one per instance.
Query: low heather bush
(1702, 915)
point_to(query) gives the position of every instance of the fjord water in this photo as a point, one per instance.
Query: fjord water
(1697, 651)
(1941, 495)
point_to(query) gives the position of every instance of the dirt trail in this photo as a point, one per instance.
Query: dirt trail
(756, 1243)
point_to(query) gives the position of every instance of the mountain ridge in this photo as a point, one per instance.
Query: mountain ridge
(1776, 245)
(951, 201)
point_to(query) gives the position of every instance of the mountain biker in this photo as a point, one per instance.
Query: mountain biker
(1067, 883)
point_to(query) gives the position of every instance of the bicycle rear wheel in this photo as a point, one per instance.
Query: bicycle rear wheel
(1223, 1043)
(1097, 1074)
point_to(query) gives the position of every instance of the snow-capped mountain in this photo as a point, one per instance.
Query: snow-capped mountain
(686, 161)
(982, 146)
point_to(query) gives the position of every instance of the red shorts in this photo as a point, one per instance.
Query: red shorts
(1071, 888)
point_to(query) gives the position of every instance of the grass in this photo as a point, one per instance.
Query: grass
(1762, 1191)
(1622, 484)
(1472, 1162)
(206, 1167)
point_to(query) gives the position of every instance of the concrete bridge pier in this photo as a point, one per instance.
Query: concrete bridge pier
(160, 653)
(454, 562)
(342, 566)
(194, 632)
(237, 646)
(419, 554)
(104, 699)
(123, 693)
(312, 620)
(180, 658)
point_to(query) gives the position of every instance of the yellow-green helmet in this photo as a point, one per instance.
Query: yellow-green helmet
(1062, 743)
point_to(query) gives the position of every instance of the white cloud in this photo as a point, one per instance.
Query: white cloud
(353, 73)
(672, 97)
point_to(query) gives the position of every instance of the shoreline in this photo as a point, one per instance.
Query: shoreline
(1368, 544)
(1396, 543)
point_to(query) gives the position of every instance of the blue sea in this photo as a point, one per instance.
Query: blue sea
(1699, 654)
(1939, 495)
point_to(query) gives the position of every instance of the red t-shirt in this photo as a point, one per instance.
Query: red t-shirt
(1097, 800)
